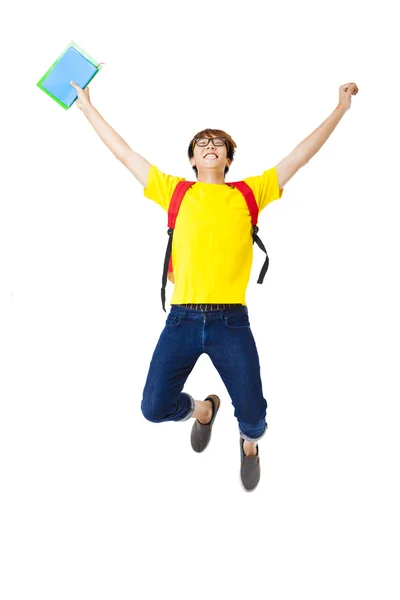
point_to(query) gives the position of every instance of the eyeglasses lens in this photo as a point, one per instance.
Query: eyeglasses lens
(216, 141)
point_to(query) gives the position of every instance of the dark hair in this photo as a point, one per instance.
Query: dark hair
(230, 150)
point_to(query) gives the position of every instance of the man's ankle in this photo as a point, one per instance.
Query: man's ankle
(250, 448)
(203, 411)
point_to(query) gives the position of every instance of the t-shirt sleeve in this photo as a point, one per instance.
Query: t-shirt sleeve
(160, 187)
(265, 187)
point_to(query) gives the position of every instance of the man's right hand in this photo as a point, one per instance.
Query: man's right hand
(83, 99)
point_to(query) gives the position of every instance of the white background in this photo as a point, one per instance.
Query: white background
(97, 502)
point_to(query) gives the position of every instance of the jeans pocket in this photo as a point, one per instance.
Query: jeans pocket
(172, 321)
(238, 321)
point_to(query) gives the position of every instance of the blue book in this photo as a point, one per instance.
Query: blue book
(72, 65)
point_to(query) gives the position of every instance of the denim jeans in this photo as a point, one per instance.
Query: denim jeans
(226, 337)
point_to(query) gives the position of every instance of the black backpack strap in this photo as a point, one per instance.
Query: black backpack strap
(260, 245)
(165, 270)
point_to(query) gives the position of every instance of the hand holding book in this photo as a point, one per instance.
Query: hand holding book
(83, 96)
(74, 64)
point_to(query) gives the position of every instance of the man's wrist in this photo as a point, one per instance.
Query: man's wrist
(88, 108)
(341, 108)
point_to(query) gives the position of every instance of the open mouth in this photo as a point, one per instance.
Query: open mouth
(211, 156)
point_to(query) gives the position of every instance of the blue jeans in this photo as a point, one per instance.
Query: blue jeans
(226, 337)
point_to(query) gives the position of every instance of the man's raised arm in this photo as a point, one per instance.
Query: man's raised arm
(312, 144)
(137, 165)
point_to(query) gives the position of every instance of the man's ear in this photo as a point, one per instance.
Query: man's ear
(228, 162)
(192, 161)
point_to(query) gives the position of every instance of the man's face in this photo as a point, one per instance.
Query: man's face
(211, 156)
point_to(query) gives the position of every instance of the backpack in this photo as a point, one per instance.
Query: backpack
(176, 200)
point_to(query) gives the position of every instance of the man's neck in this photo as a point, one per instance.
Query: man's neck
(210, 176)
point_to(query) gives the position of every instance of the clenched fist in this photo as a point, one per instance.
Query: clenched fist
(346, 91)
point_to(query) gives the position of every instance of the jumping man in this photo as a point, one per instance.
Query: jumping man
(212, 254)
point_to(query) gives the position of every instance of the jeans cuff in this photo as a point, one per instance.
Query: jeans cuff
(252, 439)
(192, 407)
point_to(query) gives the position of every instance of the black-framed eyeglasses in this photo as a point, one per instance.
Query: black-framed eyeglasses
(217, 141)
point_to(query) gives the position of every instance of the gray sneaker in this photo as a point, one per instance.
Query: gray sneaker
(249, 468)
(201, 433)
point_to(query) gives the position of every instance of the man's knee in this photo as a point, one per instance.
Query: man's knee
(151, 413)
(152, 410)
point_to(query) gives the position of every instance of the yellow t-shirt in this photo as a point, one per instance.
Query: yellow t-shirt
(212, 245)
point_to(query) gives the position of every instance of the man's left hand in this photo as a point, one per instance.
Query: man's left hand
(346, 91)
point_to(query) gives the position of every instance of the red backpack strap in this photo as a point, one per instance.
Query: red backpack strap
(180, 190)
(173, 209)
(247, 192)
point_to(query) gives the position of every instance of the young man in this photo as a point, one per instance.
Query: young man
(212, 254)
